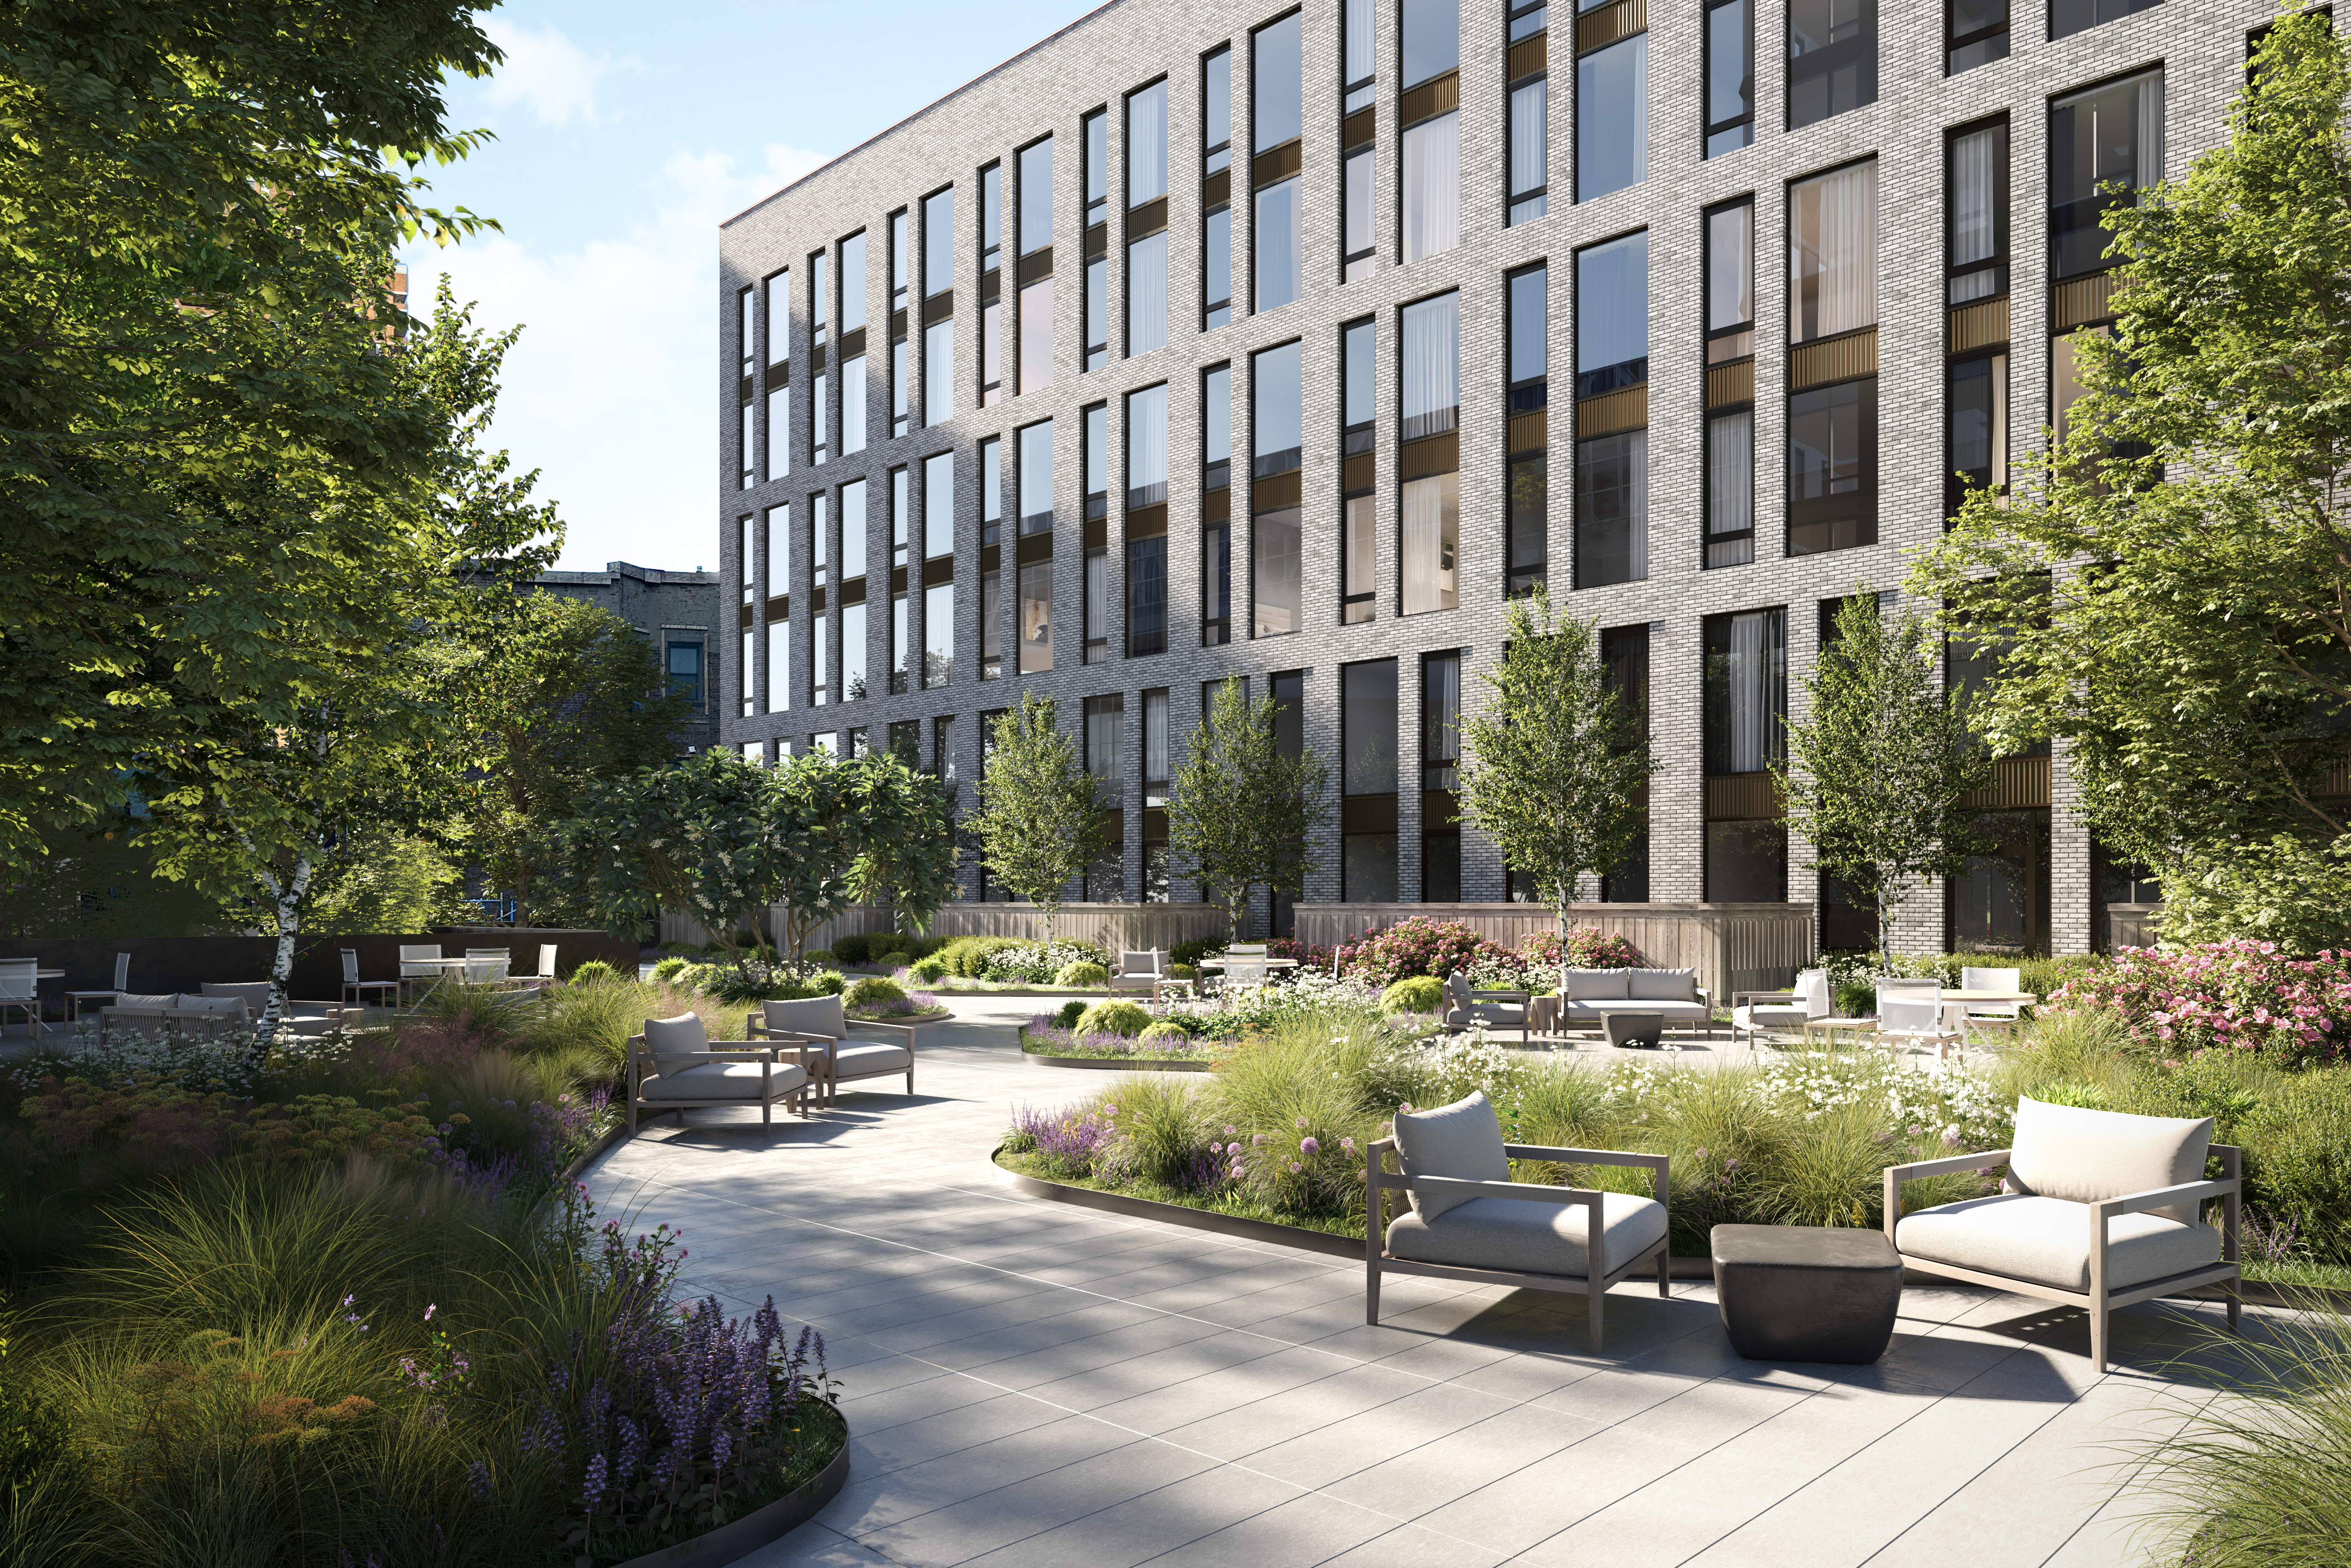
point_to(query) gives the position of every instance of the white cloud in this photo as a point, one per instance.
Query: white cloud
(548, 74)
(610, 389)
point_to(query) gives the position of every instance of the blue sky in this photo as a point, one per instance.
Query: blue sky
(625, 135)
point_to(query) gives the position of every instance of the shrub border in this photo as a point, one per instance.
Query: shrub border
(738, 1538)
(1121, 1064)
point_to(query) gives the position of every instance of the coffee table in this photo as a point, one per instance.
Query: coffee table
(1801, 1292)
(1643, 1030)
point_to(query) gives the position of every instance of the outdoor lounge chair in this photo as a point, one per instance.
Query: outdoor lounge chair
(1753, 1012)
(416, 970)
(77, 1000)
(672, 1066)
(1466, 1008)
(1140, 972)
(488, 965)
(172, 1012)
(834, 1059)
(299, 1018)
(2101, 1209)
(1911, 1012)
(1469, 1220)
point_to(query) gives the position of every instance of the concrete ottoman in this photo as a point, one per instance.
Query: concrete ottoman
(1799, 1292)
(1640, 1029)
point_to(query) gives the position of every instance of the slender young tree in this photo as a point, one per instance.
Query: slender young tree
(1554, 764)
(1239, 813)
(1039, 824)
(2170, 581)
(1876, 773)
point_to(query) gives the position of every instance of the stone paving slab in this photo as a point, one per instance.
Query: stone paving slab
(1030, 1385)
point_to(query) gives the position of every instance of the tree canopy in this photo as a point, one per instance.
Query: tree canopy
(2171, 582)
(1239, 813)
(1039, 821)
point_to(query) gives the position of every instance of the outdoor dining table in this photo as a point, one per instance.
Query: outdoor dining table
(1955, 1000)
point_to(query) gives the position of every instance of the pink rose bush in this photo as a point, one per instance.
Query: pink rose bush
(2239, 995)
(1424, 946)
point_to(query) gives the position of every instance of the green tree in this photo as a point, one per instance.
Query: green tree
(1875, 772)
(203, 451)
(2170, 580)
(908, 860)
(1039, 821)
(1554, 764)
(1239, 813)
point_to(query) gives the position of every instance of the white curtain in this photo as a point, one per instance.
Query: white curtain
(1147, 446)
(1530, 138)
(938, 372)
(1432, 187)
(1277, 244)
(780, 432)
(1154, 735)
(1359, 40)
(1974, 233)
(779, 666)
(780, 554)
(1146, 294)
(1729, 248)
(1730, 473)
(1432, 366)
(1146, 145)
(1749, 704)
(2150, 131)
(852, 405)
(1833, 253)
(1432, 531)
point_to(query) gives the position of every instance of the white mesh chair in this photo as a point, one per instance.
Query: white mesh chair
(415, 973)
(1760, 1012)
(2002, 1017)
(673, 1066)
(2099, 1210)
(356, 990)
(1245, 965)
(545, 975)
(76, 1000)
(1910, 1013)
(488, 965)
(1469, 1220)
(20, 988)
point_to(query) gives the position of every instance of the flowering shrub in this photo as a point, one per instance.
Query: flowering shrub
(1586, 948)
(2243, 995)
(907, 1004)
(1415, 947)
(1036, 963)
(1048, 1036)
(199, 1063)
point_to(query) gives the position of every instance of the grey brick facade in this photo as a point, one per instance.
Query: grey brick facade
(667, 607)
(2200, 44)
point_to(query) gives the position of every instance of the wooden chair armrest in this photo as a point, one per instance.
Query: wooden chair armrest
(755, 1026)
(1748, 998)
(1519, 995)
(1949, 1163)
(2164, 1196)
(1528, 1191)
(1584, 1156)
(721, 1050)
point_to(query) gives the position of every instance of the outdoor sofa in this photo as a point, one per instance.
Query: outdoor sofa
(1674, 995)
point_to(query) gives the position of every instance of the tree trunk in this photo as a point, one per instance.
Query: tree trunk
(286, 900)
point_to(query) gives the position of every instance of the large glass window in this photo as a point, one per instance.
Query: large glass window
(1215, 194)
(938, 242)
(1431, 501)
(1094, 328)
(852, 283)
(1095, 606)
(1431, 38)
(1832, 429)
(2067, 17)
(1979, 434)
(991, 302)
(939, 634)
(1358, 48)
(1432, 367)
(1216, 480)
(1832, 253)
(1359, 535)
(1832, 58)
(1146, 254)
(1440, 757)
(938, 505)
(1215, 584)
(1277, 400)
(1277, 87)
(1146, 447)
(1528, 519)
(1035, 365)
(1612, 467)
(1036, 617)
(1833, 468)
(1729, 77)
(1612, 316)
(1612, 118)
(1529, 150)
(1978, 218)
(1146, 596)
(1975, 34)
(1730, 429)
(1612, 508)
(852, 404)
(1037, 477)
(1146, 144)
(1432, 186)
(1277, 447)
(1625, 659)
(2111, 135)
(1746, 705)
(1367, 744)
(853, 530)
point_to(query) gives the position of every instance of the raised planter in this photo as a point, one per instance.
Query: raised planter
(739, 1538)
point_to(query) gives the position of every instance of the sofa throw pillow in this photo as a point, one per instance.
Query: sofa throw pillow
(1597, 985)
(2085, 1156)
(144, 1001)
(1661, 985)
(1463, 1140)
(664, 1037)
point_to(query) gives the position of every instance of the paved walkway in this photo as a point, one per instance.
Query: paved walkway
(1033, 1385)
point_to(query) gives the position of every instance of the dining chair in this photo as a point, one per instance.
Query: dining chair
(2002, 1016)
(488, 965)
(75, 1000)
(1910, 1012)
(20, 986)
(419, 962)
(356, 990)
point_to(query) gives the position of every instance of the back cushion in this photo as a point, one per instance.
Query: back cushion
(811, 1015)
(140, 1000)
(2083, 1157)
(681, 1033)
(1462, 1140)
(1661, 985)
(1142, 963)
(212, 1004)
(1597, 985)
(256, 993)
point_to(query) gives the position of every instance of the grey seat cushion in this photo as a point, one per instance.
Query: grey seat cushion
(719, 1080)
(809, 1015)
(1771, 1014)
(2047, 1241)
(2085, 1157)
(1463, 1140)
(1661, 985)
(1663, 1009)
(870, 1060)
(1529, 1237)
(1598, 984)
(1505, 1013)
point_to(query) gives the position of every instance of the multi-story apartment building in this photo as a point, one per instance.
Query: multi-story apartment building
(678, 615)
(1200, 340)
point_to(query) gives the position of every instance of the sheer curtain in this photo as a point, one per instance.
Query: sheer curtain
(1749, 636)
(1730, 478)
(1432, 187)
(780, 432)
(1833, 253)
(1530, 137)
(1147, 446)
(2150, 132)
(780, 554)
(1432, 531)
(1154, 735)
(1146, 145)
(1359, 40)
(1973, 233)
(1146, 294)
(1277, 244)
(779, 666)
(1432, 366)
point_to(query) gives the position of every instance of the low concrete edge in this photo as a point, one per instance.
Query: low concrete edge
(739, 1538)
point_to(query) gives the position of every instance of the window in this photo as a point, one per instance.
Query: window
(1730, 411)
(1440, 758)
(685, 673)
(1527, 525)
(2067, 17)
(1037, 477)
(939, 634)
(852, 582)
(1157, 881)
(746, 560)
(991, 625)
(1367, 772)
(1832, 58)
(1215, 189)
(900, 516)
(1430, 460)
(1036, 617)
(938, 308)
(1105, 726)
(1093, 458)
(1624, 663)
(746, 333)
(1833, 429)
(1278, 406)
(1036, 355)
(1277, 89)
(2108, 134)
(1431, 39)
(853, 344)
(1429, 112)
(852, 404)
(991, 299)
(1095, 328)
(1729, 77)
(778, 289)
(1979, 432)
(747, 441)
(898, 645)
(898, 288)
(1105, 729)
(852, 531)
(779, 666)
(1978, 216)
(943, 761)
(820, 384)
(1529, 112)
(1147, 522)
(1096, 608)
(1745, 708)
(1215, 506)
(1359, 537)
(1612, 452)
(991, 579)
(938, 506)
(1612, 113)
(1146, 219)
(1357, 49)
(938, 243)
(991, 490)
(1975, 34)
(775, 696)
